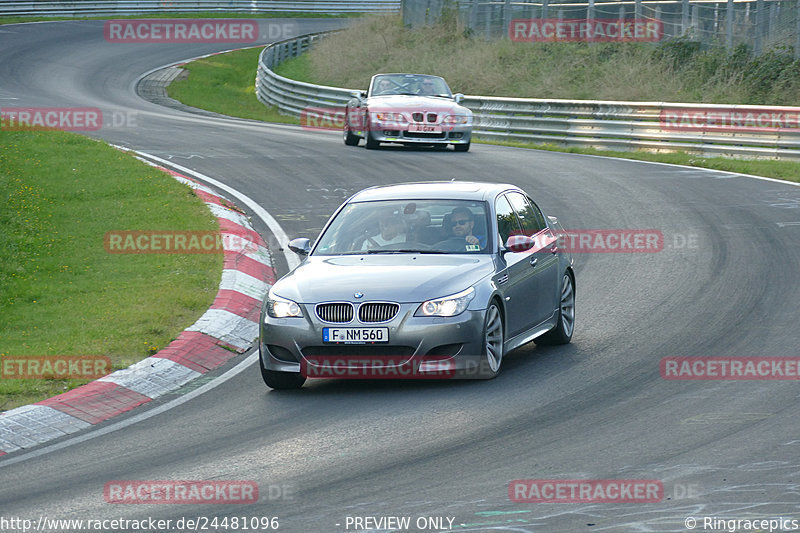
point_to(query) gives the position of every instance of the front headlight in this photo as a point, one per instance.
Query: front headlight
(457, 119)
(278, 307)
(390, 117)
(448, 306)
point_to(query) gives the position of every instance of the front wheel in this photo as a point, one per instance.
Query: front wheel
(349, 138)
(371, 144)
(562, 332)
(281, 380)
(493, 339)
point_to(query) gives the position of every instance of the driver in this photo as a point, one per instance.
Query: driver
(427, 87)
(462, 223)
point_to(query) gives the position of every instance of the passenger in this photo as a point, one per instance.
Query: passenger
(392, 231)
(384, 86)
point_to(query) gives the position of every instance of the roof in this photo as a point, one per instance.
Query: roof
(456, 190)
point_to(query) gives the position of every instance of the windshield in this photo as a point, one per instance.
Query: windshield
(409, 84)
(408, 226)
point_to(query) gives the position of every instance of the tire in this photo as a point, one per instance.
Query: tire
(562, 332)
(462, 147)
(281, 380)
(349, 138)
(493, 340)
(372, 144)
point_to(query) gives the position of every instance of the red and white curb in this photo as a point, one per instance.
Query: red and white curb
(226, 330)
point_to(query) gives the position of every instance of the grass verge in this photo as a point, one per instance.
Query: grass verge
(225, 83)
(61, 293)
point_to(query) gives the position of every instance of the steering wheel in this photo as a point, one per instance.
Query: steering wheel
(452, 244)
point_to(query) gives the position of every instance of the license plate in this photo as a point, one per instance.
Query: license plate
(424, 128)
(355, 335)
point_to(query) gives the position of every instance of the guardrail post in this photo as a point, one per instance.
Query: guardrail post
(685, 17)
(759, 27)
(797, 32)
(729, 26)
(637, 13)
(507, 17)
(546, 5)
(487, 28)
(473, 15)
(773, 20)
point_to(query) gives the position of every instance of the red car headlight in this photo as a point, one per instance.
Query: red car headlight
(389, 117)
(457, 119)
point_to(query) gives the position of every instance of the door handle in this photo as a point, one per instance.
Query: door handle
(533, 261)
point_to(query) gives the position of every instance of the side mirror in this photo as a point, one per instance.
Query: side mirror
(301, 246)
(362, 95)
(458, 98)
(520, 243)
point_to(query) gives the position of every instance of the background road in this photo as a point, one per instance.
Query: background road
(594, 409)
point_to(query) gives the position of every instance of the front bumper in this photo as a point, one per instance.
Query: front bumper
(398, 133)
(433, 347)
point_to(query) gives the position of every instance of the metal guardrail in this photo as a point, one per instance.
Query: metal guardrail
(622, 126)
(291, 96)
(136, 7)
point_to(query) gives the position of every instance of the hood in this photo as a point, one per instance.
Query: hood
(401, 278)
(416, 103)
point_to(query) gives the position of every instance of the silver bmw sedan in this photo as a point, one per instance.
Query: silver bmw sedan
(431, 280)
